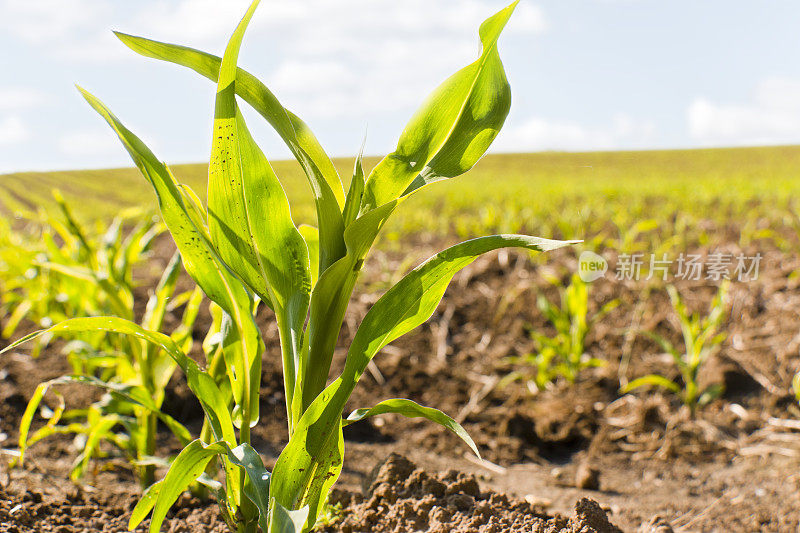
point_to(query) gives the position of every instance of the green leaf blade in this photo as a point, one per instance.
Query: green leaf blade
(415, 297)
(331, 295)
(411, 409)
(250, 220)
(312, 461)
(318, 167)
(258, 479)
(652, 380)
(453, 128)
(285, 521)
(185, 469)
(199, 256)
(145, 504)
(202, 385)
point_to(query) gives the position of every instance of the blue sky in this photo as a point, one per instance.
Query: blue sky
(585, 75)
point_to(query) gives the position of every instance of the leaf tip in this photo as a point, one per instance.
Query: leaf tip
(126, 39)
(89, 97)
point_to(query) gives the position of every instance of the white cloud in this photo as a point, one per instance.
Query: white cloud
(537, 133)
(771, 116)
(18, 98)
(367, 57)
(528, 18)
(85, 143)
(335, 89)
(191, 21)
(13, 130)
(75, 30)
(48, 21)
(94, 47)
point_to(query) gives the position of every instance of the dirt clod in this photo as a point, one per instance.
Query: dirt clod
(402, 498)
(587, 477)
(590, 517)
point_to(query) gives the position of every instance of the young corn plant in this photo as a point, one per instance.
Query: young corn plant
(134, 374)
(701, 340)
(63, 270)
(244, 249)
(73, 271)
(563, 355)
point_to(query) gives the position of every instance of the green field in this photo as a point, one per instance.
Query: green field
(575, 195)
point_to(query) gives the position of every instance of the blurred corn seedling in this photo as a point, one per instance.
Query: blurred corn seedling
(55, 268)
(562, 355)
(133, 374)
(701, 340)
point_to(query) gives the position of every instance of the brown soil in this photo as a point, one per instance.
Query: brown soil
(402, 498)
(733, 467)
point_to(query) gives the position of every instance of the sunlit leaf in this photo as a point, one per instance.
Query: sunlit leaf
(411, 409)
(453, 128)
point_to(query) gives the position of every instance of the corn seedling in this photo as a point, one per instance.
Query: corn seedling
(134, 374)
(61, 270)
(563, 355)
(701, 340)
(70, 272)
(245, 249)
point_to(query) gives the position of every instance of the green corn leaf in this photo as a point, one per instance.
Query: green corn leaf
(75, 229)
(189, 466)
(415, 297)
(355, 193)
(133, 395)
(453, 128)
(157, 304)
(218, 490)
(213, 339)
(411, 409)
(199, 256)
(257, 486)
(135, 244)
(98, 430)
(201, 384)
(242, 369)
(20, 311)
(73, 428)
(311, 236)
(285, 521)
(249, 217)
(652, 380)
(153, 320)
(145, 504)
(183, 333)
(27, 418)
(121, 300)
(312, 460)
(331, 295)
(185, 469)
(323, 178)
(195, 209)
